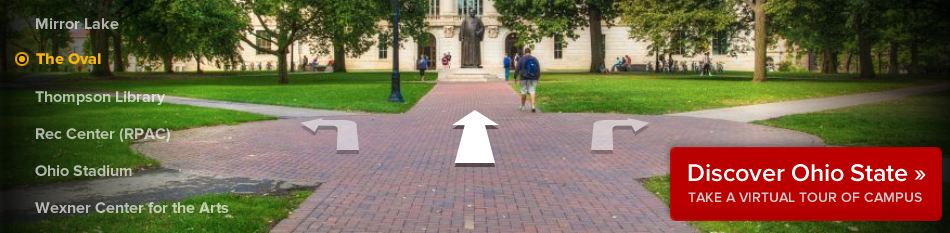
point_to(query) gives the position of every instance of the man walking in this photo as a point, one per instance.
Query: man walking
(707, 65)
(529, 69)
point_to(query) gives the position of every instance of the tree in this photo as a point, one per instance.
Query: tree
(860, 13)
(179, 29)
(812, 26)
(534, 20)
(114, 10)
(283, 21)
(679, 26)
(761, 20)
(350, 28)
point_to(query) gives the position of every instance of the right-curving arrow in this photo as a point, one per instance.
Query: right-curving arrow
(602, 138)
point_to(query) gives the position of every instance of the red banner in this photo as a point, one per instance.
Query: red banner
(805, 184)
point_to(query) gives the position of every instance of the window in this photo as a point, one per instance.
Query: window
(465, 5)
(558, 47)
(434, 8)
(721, 43)
(383, 47)
(263, 43)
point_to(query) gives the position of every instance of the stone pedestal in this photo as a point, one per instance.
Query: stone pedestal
(468, 75)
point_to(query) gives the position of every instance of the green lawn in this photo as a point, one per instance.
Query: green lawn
(660, 186)
(11, 76)
(23, 152)
(664, 93)
(361, 92)
(919, 121)
(246, 213)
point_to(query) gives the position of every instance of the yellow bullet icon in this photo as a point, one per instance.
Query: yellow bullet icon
(22, 59)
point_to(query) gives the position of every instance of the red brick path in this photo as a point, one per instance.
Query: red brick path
(404, 179)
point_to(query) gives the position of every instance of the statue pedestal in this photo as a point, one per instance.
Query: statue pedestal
(468, 75)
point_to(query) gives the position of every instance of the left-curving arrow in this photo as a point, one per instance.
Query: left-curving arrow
(474, 148)
(347, 141)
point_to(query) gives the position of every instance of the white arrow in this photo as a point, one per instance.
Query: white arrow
(920, 175)
(474, 148)
(602, 138)
(347, 141)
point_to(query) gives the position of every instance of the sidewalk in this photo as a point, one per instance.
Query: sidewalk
(546, 179)
(757, 112)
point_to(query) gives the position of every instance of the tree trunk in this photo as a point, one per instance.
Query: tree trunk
(847, 64)
(339, 58)
(864, 50)
(829, 64)
(198, 61)
(100, 42)
(913, 69)
(892, 59)
(596, 34)
(282, 65)
(761, 41)
(879, 64)
(167, 63)
(117, 49)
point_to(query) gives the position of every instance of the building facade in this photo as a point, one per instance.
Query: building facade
(445, 18)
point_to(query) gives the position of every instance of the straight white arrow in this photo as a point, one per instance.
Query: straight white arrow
(602, 138)
(474, 148)
(347, 141)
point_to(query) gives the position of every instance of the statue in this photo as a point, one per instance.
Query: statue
(471, 35)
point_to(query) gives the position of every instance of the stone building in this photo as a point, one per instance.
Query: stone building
(445, 18)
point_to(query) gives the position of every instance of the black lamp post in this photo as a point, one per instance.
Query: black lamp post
(396, 95)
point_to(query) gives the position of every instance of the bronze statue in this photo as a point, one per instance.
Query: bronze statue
(471, 34)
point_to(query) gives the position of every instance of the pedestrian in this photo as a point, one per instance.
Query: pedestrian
(617, 65)
(445, 60)
(80, 68)
(530, 70)
(507, 63)
(707, 65)
(422, 66)
(303, 63)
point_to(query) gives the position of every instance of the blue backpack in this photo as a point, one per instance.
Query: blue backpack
(532, 70)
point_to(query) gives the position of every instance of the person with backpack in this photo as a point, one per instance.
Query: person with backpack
(507, 63)
(422, 66)
(530, 71)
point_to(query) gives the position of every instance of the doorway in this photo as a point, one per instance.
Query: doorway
(511, 45)
(427, 47)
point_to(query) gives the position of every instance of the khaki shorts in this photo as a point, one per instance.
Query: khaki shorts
(528, 86)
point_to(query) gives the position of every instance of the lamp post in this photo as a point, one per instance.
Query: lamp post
(396, 95)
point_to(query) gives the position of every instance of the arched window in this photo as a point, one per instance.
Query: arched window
(465, 5)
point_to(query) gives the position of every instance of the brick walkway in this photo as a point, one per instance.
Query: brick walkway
(404, 179)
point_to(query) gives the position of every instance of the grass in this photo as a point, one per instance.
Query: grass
(23, 152)
(666, 93)
(13, 75)
(246, 213)
(919, 121)
(360, 92)
(660, 185)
